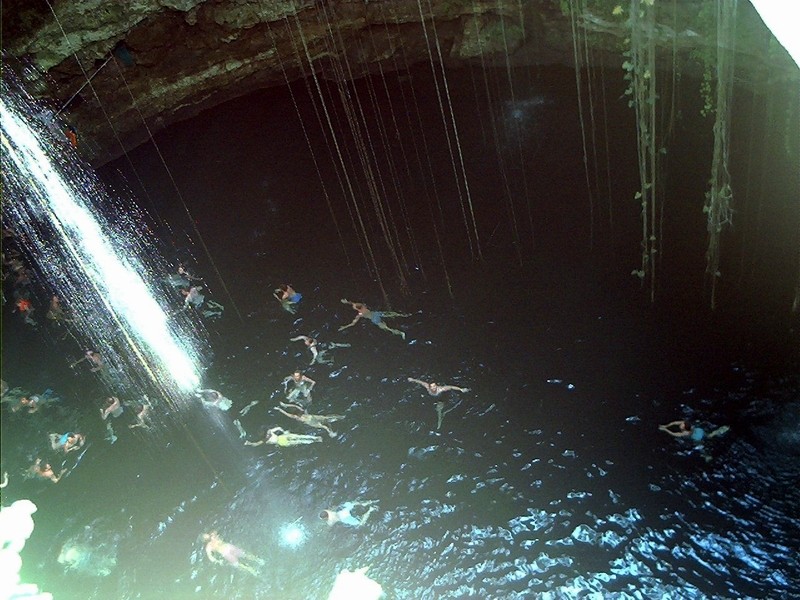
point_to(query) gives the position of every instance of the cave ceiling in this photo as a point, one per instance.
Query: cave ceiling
(119, 69)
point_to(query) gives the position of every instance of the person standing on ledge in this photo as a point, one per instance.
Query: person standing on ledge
(375, 316)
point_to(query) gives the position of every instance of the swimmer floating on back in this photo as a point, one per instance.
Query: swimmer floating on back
(278, 436)
(375, 316)
(219, 551)
(345, 516)
(316, 421)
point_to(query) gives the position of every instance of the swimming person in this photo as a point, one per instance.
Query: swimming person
(316, 421)
(66, 442)
(25, 308)
(184, 274)
(192, 297)
(318, 350)
(441, 412)
(278, 436)
(685, 429)
(142, 414)
(113, 408)
(434, 389)
(345, 516)
(213, 398)
(375, 316)
(30, 404)
(55, 312)
(288, 297)
(94, 358)
(45, 471)
(301, 392)
(233, 555)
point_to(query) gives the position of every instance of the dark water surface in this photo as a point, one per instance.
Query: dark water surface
(548, 479)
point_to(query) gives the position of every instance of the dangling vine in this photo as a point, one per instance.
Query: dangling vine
(718, 199)
(573, 14)
(640, 72)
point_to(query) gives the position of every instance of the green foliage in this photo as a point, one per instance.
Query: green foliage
(706, 92)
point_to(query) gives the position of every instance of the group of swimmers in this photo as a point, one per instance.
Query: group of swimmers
(297, 388)
(297, 391)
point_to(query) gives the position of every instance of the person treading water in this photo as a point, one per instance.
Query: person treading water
(319, 351)
(434, 389)
(301, 390)
(288, 297)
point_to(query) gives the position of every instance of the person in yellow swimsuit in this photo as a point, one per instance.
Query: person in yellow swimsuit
(278, 436)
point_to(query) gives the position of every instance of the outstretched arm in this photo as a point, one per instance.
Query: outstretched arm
(419, 381)
(675, 433)
(258, 443)
(671, 424)
(299, 338)
(77, 362)
(288, 414)
(446, 388)
(353, 322)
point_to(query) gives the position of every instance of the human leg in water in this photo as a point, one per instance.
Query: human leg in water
(441, 412)
(247, 408)
(385, 327)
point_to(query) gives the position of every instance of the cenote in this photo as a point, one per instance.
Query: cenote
(505, 222)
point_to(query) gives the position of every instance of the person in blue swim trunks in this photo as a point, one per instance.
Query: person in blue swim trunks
(66, 442)
(685, 429)
(288, 297)
(375, 316)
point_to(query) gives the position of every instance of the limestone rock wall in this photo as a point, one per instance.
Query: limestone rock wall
(171, 59)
